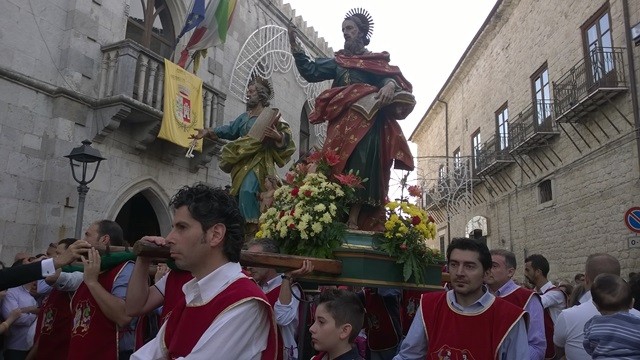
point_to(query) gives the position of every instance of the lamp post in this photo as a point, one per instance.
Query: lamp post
(83, 155)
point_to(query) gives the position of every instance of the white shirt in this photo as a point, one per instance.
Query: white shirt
(16, 337)
(555, 301)
(286, 318)
(569, 329)
(239, 333)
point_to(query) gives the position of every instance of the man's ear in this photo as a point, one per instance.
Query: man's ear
(215, 234)
(345, 331)
(511, 272)
(105, 239)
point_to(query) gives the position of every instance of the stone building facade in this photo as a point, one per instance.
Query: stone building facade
(533, 139)
(72, 70)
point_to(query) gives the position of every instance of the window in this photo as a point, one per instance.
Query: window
(457, 161)
(305, 134)
(541, 95)
(545, 191)
(476, 147)
(441, 174)
(502, 122)
(599, 44)
(151, 26)
(442, 249)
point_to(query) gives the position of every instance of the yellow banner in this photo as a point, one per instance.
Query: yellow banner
(183, 112)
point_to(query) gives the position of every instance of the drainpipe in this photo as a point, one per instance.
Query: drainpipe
(446, 149)
(632, 75)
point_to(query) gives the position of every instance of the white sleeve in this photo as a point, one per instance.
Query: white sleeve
(69, 281)
(239, 333)
(552, 298)
(47, 267)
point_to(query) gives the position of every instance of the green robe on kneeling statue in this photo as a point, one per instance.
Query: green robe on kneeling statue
(249, 161)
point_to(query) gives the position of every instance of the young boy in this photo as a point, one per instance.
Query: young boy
(338, 320)
(615, 334)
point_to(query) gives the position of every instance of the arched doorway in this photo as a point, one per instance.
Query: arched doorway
(137, 219)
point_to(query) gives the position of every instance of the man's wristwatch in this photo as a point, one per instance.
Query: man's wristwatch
(285, 276)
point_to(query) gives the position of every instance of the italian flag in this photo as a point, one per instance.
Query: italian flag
(212, 30)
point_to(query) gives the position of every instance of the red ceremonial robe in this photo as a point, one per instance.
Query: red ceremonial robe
(187, 324)
(53, 329)
(93, 335)
(381, 334)
(456, 335)
(550, 353)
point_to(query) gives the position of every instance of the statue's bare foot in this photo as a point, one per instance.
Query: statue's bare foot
(352, 225)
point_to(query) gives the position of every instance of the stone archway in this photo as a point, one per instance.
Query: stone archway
(142, 209)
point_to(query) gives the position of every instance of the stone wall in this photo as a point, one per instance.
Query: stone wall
(593, 184)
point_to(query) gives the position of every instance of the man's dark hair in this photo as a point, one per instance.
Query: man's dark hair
(345, 307)
(611, 293)
(509, 257)
(538, 262)
(113, 229)
(473, 245)
(210, 206)
(67, 242)
(268, 245)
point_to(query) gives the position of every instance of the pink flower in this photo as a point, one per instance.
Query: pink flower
(307, 193)
(292, 226)
(314, 157)
(415, 220)
(351, 180)
(289, 178)
(331, 157)
(415, 190)
(403, 246)
(302, 169)
(295, 191)
(281, 213)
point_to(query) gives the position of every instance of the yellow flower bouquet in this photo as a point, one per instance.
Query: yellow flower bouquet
(406, 230)
(306, 217)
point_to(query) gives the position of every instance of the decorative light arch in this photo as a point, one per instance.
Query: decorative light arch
(266, 51)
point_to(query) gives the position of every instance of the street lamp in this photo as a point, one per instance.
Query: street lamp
(83, 155)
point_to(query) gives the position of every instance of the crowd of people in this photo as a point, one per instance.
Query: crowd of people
(206, 306)
(209, 307)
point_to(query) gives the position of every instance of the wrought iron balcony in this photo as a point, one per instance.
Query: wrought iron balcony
(532, 127)
(131, 92)
(494, 155)
(591, 82)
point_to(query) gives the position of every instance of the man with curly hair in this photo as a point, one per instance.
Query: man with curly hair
(223, 313)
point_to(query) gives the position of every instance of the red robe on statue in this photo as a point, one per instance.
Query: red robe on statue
(347, 127)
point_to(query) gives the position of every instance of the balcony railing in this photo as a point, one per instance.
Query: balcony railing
(532, 127)
(494, 155)
(131, 91)
(589, 83)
